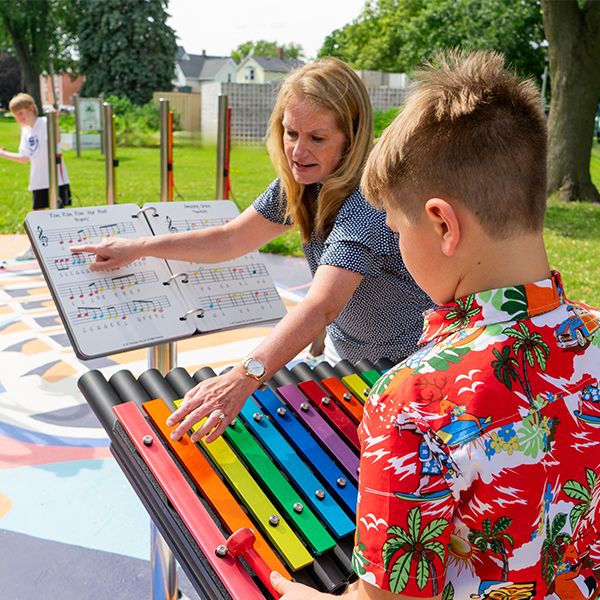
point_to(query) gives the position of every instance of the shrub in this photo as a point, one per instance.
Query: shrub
(135, 126)
(383, 118)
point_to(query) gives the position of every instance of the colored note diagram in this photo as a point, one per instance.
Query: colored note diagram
(150, 300)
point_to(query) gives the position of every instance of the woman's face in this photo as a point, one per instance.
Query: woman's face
(312, 141)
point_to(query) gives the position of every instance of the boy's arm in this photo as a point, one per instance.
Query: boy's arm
(14, 156)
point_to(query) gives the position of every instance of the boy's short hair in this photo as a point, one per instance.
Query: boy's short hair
(471, 131)
(21, 101)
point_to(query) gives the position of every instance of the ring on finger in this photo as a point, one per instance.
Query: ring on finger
(221, 416)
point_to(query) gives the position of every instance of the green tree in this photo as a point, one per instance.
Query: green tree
(267, 49)
(414, 546)
(495, 539)
(398, 35)
(41, 34)
(573, 32)
(126, 53)
(10, 78)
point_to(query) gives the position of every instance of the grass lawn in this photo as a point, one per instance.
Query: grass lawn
(572, 230)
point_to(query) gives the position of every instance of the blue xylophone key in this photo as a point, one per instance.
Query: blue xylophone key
(305, 444)
(307, 483)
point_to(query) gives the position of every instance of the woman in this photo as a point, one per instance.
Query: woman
(320, 133)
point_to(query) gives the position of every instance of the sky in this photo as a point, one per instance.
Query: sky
(220, 26)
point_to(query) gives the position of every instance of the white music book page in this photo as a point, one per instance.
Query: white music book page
(150, 301)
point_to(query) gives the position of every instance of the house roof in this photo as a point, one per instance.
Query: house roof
(212, 66)
(199, 66)
(277, 65)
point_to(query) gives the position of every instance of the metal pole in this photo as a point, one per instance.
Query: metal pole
(108, 135)
(221, 146)
(77, 126)
(52, 133)
(164, 568)
(163, 357)
(166, 165)
(102, 124)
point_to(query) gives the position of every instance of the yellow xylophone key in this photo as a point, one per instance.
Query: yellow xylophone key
(357, 385)
(213, 489)
(272, 523)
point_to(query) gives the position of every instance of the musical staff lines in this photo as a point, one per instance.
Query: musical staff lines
(223, 274)
(175, 225)
(70, 262)
(99, 286)
(78, 235)
(119, 311)
(238, 299)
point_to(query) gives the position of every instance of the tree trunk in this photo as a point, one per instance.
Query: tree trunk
(31, 82)
(29, 36)
(573, 35)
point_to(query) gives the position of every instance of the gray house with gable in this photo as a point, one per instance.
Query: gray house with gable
(262, 69)
(192, 70)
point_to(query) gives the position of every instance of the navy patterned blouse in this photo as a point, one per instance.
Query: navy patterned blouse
(383, 318)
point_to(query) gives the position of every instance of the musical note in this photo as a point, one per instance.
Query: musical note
(43, 238)
(61, 264)
(112, 229)
(172, 227)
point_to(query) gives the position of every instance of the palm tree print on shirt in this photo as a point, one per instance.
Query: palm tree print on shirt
(495, 538)
(531, 348)
(414, 546)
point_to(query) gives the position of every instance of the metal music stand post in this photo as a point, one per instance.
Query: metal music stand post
(163, 357)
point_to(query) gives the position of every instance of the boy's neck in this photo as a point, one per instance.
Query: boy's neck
(493, 264)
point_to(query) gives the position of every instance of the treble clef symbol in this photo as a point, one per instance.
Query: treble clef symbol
(172, 227)
(43, 238)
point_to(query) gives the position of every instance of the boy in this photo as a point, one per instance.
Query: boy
(33, 149)
(479, 467)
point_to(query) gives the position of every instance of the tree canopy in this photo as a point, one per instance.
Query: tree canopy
(126, 53)
(41, 34)
(268, 49)
(398, 35)
(10, 78)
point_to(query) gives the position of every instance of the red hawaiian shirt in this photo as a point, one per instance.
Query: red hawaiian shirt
(481, 454)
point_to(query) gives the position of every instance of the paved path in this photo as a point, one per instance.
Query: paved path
(71, 528)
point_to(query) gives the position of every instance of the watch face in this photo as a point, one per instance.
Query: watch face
(255, 367)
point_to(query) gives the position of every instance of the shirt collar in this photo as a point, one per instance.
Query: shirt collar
(493, 306)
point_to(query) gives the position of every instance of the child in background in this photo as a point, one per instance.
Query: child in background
(480, 462)
(33, 148)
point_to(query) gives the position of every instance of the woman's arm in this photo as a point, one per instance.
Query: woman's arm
(330, 291)
(245, 233)
(14, 156)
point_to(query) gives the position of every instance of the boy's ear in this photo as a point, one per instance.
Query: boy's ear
(445, 223)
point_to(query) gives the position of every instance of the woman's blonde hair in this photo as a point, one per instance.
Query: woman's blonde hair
(332, 85)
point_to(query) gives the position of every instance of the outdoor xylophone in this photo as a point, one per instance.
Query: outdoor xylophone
(277, 490)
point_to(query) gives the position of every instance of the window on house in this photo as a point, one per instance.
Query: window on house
(249, 75)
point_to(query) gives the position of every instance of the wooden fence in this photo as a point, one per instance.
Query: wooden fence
(187, 105)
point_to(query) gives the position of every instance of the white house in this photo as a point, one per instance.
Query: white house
(192, 70)
(261, 69)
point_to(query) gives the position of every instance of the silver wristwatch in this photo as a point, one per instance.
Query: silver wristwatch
(255, 368)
